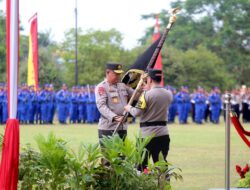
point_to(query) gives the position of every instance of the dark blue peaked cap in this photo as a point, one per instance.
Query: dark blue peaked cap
(155, 73)
(116, 67)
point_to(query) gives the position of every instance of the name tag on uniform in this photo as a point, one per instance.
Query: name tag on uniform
(115, 99)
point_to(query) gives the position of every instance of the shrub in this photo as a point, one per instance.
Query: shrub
(55, 166)
(46, 169)
(29, 168)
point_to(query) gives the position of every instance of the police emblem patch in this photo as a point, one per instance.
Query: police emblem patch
(115, 99)
(101, 91)
(141, 104)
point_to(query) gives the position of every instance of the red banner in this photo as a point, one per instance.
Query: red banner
(156, 35)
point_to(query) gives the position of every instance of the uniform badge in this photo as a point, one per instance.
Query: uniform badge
(141, 104)
(101, 91)
(115, 99)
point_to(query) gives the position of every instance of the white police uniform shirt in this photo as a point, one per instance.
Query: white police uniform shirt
(110, 101)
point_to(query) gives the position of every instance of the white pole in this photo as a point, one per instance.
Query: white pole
(76, 45)
(227, 142)
(14, 27)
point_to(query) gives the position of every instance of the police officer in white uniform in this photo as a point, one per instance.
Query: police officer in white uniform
(152, 108)
(111, 97)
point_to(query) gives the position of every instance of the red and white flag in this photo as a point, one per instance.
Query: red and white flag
(10, 148)
(156, 35)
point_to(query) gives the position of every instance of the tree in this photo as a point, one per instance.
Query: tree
(96, 48)
(222, 26)
(48, 68)
(195, 67)
(185, 34)
(2, 47)
(232, 35)
(50, 71)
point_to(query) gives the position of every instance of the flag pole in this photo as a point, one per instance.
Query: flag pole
(227, 141)
(138, 88)
(76, 46)
(156, 35)
(10, 147)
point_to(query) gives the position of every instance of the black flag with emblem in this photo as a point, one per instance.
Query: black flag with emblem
(132, 76)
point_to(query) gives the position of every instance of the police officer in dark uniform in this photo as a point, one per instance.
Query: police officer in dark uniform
(111, 97)
(152, 108)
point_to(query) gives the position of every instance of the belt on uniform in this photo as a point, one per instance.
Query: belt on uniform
(153, 123)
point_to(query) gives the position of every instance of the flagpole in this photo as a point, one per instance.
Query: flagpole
(10, 146)
(227, 142)
(13, 60)
(150, 65)
(76, 46)
(156, 35)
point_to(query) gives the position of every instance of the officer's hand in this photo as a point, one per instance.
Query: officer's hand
(127, 107)
(118, 118)
(143, 76)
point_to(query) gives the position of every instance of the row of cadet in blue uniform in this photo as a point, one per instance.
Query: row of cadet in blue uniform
(201, 104)
(77, 105)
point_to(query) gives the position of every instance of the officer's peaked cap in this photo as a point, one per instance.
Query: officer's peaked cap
(116, 67)
(155, 73)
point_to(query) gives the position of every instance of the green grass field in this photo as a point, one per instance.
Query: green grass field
(197, 149)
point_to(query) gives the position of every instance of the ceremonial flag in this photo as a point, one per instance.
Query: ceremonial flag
(132, 76)
(33, 53)
(156, 36)
(10, 148)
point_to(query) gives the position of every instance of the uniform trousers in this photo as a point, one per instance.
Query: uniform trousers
(156, 146)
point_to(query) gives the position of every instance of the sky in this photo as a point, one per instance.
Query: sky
(59, 16)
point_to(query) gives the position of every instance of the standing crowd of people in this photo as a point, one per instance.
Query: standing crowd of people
(79, 105)
(40, 106)
(204, 106)
(106, 103)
